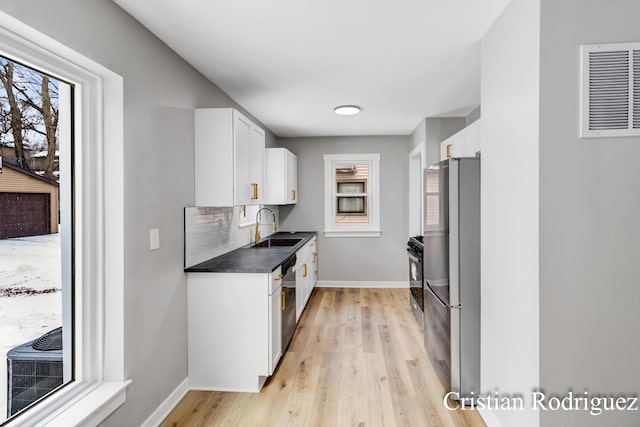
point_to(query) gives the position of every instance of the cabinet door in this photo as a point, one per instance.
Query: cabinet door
(455, 146)
(276, 329)
(300, 290)
(256, 165)
(243, 190)
(214, 157)
(291, 177)
(459, 144)
(314, 266)
(308, 279)
(445, 149)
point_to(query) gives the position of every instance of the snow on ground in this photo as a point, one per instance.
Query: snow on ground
(33, 263)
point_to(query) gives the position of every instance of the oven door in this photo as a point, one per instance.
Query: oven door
(415, 286)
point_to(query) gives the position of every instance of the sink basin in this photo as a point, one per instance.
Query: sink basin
(274, 243)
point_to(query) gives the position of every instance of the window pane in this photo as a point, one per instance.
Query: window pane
(352, 173)
(352, 210)
(32, 362)
(352, 179)
(351, 205)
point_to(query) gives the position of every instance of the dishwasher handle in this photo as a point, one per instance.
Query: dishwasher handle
(289, 263)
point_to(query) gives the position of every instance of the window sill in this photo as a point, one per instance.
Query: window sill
(352, 233)
(90, 407)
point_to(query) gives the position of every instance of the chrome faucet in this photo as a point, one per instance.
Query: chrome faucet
(258, 223)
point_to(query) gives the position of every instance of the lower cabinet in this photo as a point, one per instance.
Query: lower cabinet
(235, 324)
(306, 277)
(302, 272)
(275, 320)
(233, 330)
(314, 263)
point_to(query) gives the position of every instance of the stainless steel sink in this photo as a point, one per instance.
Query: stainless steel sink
(274, 243)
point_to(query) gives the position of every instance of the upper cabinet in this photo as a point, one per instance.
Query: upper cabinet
(229, 159)
(464, 143)
(282, 177)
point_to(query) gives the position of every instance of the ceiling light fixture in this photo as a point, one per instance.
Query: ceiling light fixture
(347, 110)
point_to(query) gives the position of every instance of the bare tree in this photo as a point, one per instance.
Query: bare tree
(29, 114)
(49, 115)
(15, 113)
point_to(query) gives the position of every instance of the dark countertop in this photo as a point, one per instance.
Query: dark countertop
(254, 260)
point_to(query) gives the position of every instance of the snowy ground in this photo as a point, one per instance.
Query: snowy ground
(32, 265)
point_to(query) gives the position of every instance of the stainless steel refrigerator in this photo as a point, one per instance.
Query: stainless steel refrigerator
(452, 273)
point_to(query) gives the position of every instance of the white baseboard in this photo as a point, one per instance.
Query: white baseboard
(489, 418)
(361, 284)
(167, 406)
(225, 389)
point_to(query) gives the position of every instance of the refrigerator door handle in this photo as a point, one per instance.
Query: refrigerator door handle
(455, 307)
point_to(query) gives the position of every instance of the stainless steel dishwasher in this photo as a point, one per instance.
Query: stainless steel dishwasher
(288, 305)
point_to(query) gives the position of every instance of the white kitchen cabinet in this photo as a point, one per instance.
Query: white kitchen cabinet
(275, 320)
(454, 146)
(305, 275)
(281, 177)
(302, 286)
(256, 180)
(314, 263)
(232, 330)
(235, 323)
(472, 139)
(464, 143)
(229, 158)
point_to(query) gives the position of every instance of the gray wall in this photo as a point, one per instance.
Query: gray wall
(353, 259)
(474, 115)
(419, 134)
(589, 226)
(434, 130)
(161, 91)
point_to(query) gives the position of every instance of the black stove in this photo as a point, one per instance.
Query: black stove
(415, 249)
(416, 242)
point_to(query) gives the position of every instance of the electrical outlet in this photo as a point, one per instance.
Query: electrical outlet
(154, 239)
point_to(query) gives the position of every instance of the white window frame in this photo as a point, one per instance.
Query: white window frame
(373, 192)
(99, 387)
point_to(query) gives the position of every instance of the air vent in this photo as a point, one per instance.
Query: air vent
(636, 89)
(611, 90)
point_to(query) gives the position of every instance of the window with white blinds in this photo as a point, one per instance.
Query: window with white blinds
(352, 195)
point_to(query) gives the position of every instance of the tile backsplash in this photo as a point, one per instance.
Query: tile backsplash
(213, 231)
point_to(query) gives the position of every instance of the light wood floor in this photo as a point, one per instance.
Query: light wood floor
(356, 359)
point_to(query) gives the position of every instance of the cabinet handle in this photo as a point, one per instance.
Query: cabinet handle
(255, 191)
(278, 277)
(283, 301)
(315, 257)
(448, 151)
(293, 194)
(305, 270)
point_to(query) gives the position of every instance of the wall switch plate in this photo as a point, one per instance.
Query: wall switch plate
(154, 239)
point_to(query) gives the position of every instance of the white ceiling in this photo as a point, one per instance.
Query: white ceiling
(290, 62)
